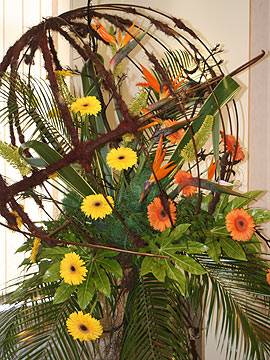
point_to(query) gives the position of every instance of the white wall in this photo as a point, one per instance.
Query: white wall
(259, 124)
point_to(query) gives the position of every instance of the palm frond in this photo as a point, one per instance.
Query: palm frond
(237, 297)
(33, 328)
(178, 61)
(156, 326)
(32, 106)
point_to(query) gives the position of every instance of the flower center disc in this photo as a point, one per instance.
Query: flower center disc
(163, 213)
(83, 327)
(85, 105)
(97, 203)
(121, 157)
(240, 224)
(72, 268)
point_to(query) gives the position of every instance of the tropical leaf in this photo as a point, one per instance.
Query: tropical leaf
(33, 328)
(154, 324)
(49, 156)
(221, 95)
(35, 110)
(238, 305)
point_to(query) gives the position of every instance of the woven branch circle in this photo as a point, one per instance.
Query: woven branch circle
(137, 35)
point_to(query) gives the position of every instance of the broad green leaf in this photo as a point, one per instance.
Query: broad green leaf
(101, 280)
(243, 201)
(63, 293)
(67, 174)
(168, 236)
(91, 86)
(86, 291)
(178, 276)
(254, 246)
(215, 140)
(112, 266)
(105, 254)
(53, 273)
(178, 231)
(233, 249)
(159, 269)
(259, 215)
(187, 263)
(215, 187)
(25, 247)
(214, 249)
(146, 266)
(223, 201)
(219, 230)
(54, 252)
(195, 247)
(188, 246)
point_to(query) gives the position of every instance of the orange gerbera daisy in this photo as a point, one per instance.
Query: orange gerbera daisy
(176, 136)
(158, 217)
(240, 225)
(236, 151)
(182, 178)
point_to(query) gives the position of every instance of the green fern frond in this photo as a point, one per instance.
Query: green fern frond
(11, 154)
(238, 292)
(201, 137)
(31, 327)
(155, 327)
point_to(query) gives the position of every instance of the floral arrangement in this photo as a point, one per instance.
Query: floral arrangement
(152, 233)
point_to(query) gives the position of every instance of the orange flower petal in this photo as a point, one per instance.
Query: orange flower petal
(103, 33)
(182, 178)
(158, 217)
(211, 170)
(151, 124)
(176, 136)
(236, 151)
(240, 225)
(151, 79)
(130, 33)
(161, 171)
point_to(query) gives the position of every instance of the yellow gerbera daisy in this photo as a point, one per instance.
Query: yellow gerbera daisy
(72, 269)
(88, 105)
(35, 250)
(97, 206)
(64, 72)
(84, 327)
(121, 158)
